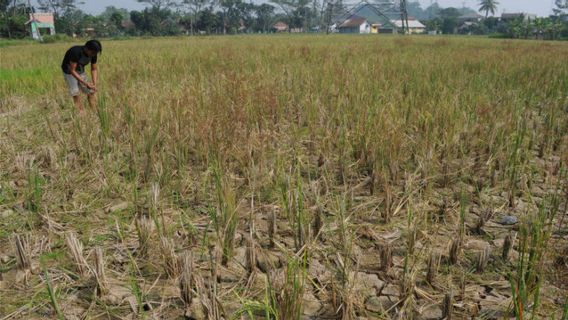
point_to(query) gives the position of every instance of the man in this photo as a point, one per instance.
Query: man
(73, 67)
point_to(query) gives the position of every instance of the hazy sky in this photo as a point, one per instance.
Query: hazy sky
(540, 7)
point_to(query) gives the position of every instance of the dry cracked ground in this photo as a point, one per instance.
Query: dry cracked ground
(434, 247)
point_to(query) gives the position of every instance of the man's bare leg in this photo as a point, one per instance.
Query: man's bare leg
(78, 102)
(92, 101)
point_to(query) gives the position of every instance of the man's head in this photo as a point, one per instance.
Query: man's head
(93, 47)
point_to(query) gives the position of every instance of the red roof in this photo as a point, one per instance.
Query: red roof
(42, 18)
(280, 26)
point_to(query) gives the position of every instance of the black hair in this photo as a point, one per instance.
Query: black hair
(94, 45)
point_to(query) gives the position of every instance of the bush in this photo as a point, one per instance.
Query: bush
(499, 36)
(56, 38)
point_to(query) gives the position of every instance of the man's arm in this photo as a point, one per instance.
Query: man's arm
(94, 74)
(73, 70)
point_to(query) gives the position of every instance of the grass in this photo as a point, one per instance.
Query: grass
(12, 42)
(325, 160)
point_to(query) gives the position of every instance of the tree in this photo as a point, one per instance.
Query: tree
(449, 20)
(434, 24)
(13, 16)
(194, 7)
(207, 20)
(70, 22)
(160, 4)
(111, 20)
(287, 6)
(264, 16)
(58, 7)
(301, 16)
(540, 25)
(67, 16)
(153, 21)
(491, 23)
(561, 7)
(111, 11)
(488, 6)
(415, 9)
(433, 11)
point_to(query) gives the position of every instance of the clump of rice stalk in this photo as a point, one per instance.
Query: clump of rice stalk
(385, 256)
(516, 158)
(300, 217)
(292, 199)
(208, 298)
(208, 294)
(53, 297)
(287, 299)
(224, 217)
(35, 191)
(442, 211)
(76, 251)
(408, 278)
(23, 253)
(104, 119)
(317, 223)
(102, 283)
(250, 255)
(389, 199)
(454, 251)
(185, 281)
(432, 268)
(534, 236)
(527, 279)
(343, 293)
(463, 207)
(171, 263)
(271, 229)
(150, 142)
(138, 306)
(484, 216)
(154, 196)
(406, 293)
(507, 245)
(482, 259)
(144, 228)
(448, 306)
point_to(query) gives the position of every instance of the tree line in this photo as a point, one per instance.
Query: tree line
(176, 17)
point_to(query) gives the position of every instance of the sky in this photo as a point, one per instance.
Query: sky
(540, 7)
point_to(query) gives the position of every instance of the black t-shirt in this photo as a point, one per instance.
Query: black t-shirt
(76, 54)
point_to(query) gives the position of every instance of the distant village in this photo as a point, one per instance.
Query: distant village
(64, 18)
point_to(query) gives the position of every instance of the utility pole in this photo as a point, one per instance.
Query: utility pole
(404, 17)
(329, 16)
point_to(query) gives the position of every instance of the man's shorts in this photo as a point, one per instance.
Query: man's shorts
(74, 85)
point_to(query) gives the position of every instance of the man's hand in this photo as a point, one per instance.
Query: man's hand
(92, 87)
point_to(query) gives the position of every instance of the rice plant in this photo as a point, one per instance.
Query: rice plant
(53, 297)
(347, 157)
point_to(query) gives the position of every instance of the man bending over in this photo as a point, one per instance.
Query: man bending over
(73, 67)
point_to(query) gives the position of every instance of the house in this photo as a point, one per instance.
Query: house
(414, 26)
(380, 22)
(355, 24)
(280, 27)
(472, 17)
(507, 17)
(41, 23)
(127, 24)
(89, 32)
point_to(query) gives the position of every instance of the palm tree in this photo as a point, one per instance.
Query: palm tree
(488, 6)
